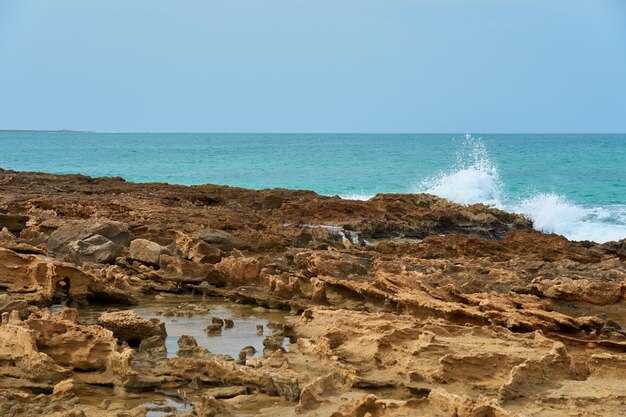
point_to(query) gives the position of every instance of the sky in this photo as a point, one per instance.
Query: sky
(313, 66)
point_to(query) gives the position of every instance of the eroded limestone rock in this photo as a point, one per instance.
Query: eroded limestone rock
(44, 280)
(436, 308)
(129, 327)
(48, 348)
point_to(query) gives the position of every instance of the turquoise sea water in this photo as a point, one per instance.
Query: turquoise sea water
(572, 184)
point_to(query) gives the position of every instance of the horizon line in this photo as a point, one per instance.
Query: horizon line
(301, 133)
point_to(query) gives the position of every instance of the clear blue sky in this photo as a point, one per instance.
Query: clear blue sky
(314, 65)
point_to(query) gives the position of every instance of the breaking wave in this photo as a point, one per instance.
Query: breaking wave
(357, 196)
(475, 179)
(552, 213)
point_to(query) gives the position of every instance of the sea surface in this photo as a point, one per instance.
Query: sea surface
(570, 184)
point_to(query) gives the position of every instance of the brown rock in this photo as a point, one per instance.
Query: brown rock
(46, 349)
(247, 351)
(8, 304)
(197, 250)
(220, 239)
(14, 223)
(45, 280)
(271, 344)
(155, 344)
(239, 270)
(272, 202)
(129, 327)
(186, 341)
(213, 329)
(64, 389)
(448, 310)
(147, 252)
(180, 270)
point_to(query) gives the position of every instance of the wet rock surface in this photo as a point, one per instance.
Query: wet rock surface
(212, 300)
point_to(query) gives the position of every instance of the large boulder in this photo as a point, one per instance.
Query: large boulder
(89, 241)
(13, 222)
(147, 252)
(220, 239)
(97, 249)
(129, 327)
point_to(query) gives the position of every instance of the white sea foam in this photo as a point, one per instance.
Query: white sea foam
(552, 213)
(467, 186)
(357, 196)
(475, 179)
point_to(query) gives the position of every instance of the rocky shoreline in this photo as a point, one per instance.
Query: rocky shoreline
(404, 305)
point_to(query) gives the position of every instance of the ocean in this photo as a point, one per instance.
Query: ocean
(570, 184)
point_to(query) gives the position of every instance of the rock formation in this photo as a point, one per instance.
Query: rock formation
(402, 305)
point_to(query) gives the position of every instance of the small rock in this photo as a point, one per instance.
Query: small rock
(276, 328)
(247, 351)
(186, 342)
(64, 389)
(104, 405)
(154, 343)
(271, 344)
(277, 359)
(229, 323)
(213, 329)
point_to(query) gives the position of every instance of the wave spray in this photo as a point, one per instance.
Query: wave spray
(475, 179)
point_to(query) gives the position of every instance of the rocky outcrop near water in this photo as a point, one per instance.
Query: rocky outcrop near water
(404, 305)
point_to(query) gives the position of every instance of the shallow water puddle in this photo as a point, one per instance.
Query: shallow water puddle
(190, 315)
(164, 407)
(158, 405)
(231, 341)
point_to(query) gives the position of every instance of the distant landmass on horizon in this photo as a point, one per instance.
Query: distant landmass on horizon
(45, 131)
